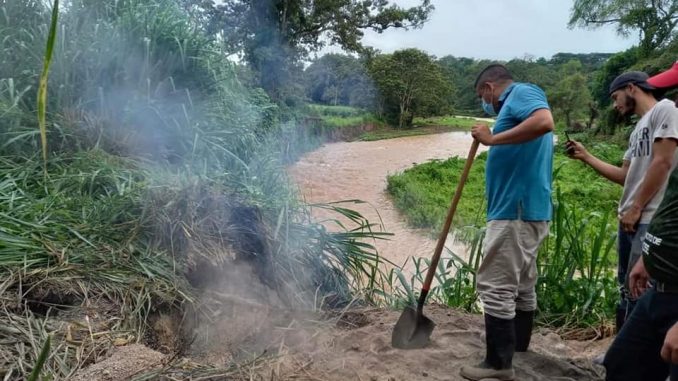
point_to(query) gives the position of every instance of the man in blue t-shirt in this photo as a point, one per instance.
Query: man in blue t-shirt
(518, 189)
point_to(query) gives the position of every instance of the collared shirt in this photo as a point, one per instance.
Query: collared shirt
(518, 176)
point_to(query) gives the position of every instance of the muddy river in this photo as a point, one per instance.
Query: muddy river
(358, 170)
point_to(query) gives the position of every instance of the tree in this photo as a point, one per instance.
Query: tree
(462, 72)
(339, 79)
(541, 74)
(590, 61)
(604, 76)
(271, 34)
(410, 83)
(570, 96)
(655, 20)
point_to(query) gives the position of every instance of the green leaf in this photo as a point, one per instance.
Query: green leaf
(35, 373)
(42, 90)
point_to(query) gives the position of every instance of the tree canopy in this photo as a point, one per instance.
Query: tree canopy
(654, 20)
(410, 82)
(339, 79)
(272, 34)
(570, 96)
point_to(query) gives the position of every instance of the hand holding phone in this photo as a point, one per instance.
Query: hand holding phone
(569, 146)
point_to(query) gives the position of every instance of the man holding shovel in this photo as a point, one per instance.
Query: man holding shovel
(518, 189)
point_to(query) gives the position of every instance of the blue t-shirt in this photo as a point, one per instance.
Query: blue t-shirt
(518, 176)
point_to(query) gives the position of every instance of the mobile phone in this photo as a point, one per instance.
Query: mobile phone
(569, 150)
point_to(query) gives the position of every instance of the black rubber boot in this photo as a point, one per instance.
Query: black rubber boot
(500, 339)
(523, 322)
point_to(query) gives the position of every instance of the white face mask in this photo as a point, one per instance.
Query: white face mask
(488, 107)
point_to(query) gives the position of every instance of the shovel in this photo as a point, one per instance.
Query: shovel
(413, 329)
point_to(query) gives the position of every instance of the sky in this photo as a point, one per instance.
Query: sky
(499, 29)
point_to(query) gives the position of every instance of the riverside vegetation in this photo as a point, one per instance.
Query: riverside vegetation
(162, 168)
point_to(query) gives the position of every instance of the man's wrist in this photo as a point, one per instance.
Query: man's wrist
(586, 158)
(637, 207)
(492, 140)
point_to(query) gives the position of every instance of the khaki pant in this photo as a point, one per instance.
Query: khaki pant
(508, 274)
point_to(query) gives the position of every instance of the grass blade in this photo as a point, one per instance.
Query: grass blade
(41, 359)
(42, 91)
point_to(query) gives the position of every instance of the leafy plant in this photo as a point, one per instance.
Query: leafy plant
(576, 274)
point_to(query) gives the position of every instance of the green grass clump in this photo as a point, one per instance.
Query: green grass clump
(577, 278)
(424, 126)
(337, 111)
(351, 121)
(342, 116)
(424, 192)
(392, 133)
(459, 122)
(163, 170)
(333, 117)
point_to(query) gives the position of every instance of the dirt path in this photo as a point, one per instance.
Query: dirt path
(358, 170)
(356, 346)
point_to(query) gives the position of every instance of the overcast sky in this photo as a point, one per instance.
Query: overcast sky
(499, 29)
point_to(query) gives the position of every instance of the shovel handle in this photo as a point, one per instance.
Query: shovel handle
(448, 222)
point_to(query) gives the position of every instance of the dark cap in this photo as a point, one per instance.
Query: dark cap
(637, 78)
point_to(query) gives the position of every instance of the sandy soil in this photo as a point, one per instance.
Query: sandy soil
(123, 363)
(364, 352)
(356, 346)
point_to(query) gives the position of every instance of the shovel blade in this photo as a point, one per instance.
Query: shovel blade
(412, 331)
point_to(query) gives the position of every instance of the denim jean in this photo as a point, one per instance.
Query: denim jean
(635, 352)
(629, 250)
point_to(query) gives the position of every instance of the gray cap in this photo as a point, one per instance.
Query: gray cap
(637, 78)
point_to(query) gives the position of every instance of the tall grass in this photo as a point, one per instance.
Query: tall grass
(342, 116)
(162, 164)
(455, 278)
(42, 90)
(577, 283)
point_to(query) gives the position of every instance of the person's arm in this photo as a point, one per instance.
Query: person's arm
(670, 348)
(536, 125)
(607, 170)
(663, 151)
(528, 104)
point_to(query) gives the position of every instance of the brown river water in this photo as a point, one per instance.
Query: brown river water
(358, 170)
